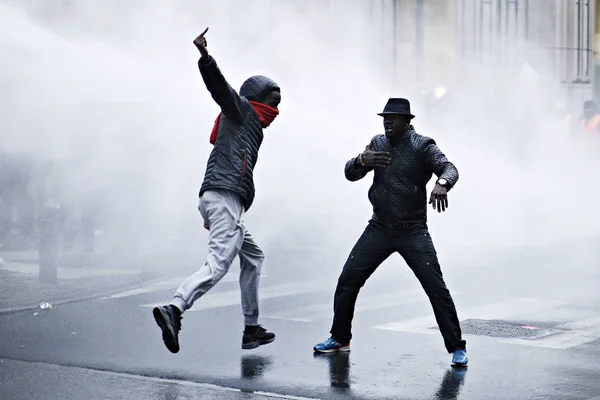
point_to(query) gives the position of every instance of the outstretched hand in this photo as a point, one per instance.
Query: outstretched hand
(372, 159)
(439, 198)
(201, 44)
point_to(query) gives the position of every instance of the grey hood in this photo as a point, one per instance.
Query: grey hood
(256, 88)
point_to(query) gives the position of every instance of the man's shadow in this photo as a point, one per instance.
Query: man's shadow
(254, 366)
(451, 385)
(339, 370)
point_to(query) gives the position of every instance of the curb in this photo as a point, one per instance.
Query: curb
(141, 278)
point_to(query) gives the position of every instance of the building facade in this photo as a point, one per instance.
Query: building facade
(431, 40)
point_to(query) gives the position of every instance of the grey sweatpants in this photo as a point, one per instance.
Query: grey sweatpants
(228, 237)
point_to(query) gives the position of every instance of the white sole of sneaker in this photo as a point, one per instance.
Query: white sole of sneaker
(344, 349)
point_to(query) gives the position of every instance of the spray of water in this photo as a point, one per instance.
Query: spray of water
(114, 89)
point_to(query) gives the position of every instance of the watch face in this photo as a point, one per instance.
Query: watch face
(442, 182)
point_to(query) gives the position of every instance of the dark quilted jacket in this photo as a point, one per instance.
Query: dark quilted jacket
(399, 193)
(232, 161)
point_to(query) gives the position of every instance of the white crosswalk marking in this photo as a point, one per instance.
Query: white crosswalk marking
(515, 308)
(576, 326)
(315, 312)
(232, 297)
(574, 332)
(172, 283)
(577, 333)
(154, 287)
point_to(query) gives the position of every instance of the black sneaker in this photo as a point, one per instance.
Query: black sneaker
(256, 336)
(168, 318)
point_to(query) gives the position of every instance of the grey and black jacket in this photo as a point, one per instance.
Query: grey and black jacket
(231, 163)
(398, 193)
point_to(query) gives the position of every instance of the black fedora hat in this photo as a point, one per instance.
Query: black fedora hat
(397, 106)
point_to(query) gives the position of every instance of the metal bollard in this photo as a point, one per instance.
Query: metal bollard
(49, 246)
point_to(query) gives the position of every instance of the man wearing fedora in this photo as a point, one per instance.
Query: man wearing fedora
(403, 162)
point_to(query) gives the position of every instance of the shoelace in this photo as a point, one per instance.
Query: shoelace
(177, 320)
(259, 330)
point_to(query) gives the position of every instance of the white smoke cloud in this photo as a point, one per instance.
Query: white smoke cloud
(116, 89)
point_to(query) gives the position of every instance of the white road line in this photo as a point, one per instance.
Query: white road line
(232, 297)
(154, 287)
(577, 333)
(316, 312)
(172, 283)
(515, 308)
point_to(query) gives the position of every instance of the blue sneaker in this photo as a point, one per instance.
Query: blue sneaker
(459, 358)
(330, 346)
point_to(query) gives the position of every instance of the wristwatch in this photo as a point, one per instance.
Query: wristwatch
(442, 182)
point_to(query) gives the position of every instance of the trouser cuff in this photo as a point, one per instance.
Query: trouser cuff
(179, 303)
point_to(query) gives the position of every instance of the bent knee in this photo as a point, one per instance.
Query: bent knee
(350, 282)
(217, 275)
(258, 262)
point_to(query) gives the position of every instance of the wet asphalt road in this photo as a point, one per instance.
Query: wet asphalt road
(40, 381)
(395, 353)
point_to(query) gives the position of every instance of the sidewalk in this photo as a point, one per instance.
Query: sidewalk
(80, 277)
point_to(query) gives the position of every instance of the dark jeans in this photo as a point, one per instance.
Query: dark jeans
(414, 244)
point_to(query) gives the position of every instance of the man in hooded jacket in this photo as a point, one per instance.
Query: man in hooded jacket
(226, 194)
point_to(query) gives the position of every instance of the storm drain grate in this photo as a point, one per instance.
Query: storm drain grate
(508, 329)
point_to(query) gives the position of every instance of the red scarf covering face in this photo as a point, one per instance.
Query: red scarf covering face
(266, 114)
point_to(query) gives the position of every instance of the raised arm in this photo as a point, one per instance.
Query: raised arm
(438, 164)
(222, 93)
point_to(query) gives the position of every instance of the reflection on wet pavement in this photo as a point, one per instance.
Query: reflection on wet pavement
(451, 384)
(339, 377)
(254, 366)
(339, 370)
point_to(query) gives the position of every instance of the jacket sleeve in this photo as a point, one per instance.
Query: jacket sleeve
(222, 93)
(438, 164)
(354, 171)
